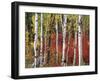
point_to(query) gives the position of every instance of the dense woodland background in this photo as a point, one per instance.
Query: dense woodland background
(53, 40)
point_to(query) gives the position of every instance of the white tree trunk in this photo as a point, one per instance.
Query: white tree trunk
(41, 48)
(80, 41)
(75, 44)
(64, 39)
(56, 42)
(35, 39)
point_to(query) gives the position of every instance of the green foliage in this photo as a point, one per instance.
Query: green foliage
(85, 22)
(39, 25)
(72, 22)
(49, 21)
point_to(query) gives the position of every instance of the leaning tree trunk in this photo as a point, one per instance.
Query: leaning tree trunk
(41, 48)
(64, 20)
(75, 45)
(56, 42)
(35, 39)
(80, 41)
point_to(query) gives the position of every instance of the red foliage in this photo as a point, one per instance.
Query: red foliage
(85, 48)
(71, 51)
(53, 43)
(60, 38)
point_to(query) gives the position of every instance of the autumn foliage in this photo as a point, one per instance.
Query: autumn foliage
(51, 53)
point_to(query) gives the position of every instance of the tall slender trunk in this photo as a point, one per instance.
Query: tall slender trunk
(41, 49)
(80, 41)
(35, 39)
(45, 50)
(64, 20)
(75, 44)
(69, 36)
(48, 40)
(56, 42)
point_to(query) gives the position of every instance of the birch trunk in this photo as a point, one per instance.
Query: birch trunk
(35, 39)
(41, 49)
(80, 41)
(64, 39)
(56, 42)
(75, 44)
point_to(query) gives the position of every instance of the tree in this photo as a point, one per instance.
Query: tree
(49, 25)
(85, 39)
(80, 40)
(64, 21)
(75, 28)
(45, 22)
(35, 39)
(56, 26)
(75, 45)
(41, 48)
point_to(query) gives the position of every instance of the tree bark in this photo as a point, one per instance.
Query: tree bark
(80, 41)
(64, 20)
(45, 50)
(56, 42)
(75, 44)
(49, 39)
(41, 49)
(69, 36)
(35, 39)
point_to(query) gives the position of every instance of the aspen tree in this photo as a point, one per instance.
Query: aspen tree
(64, 21)
(35, 39)
(41, 48)
(80, 40)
